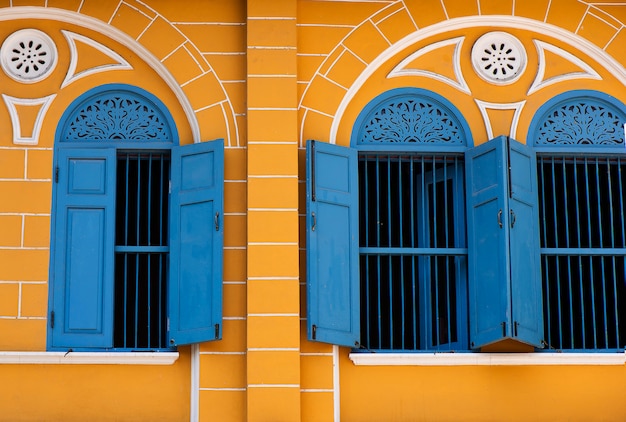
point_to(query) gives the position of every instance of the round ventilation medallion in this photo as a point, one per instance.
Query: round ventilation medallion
(28, 55)
(499, 58)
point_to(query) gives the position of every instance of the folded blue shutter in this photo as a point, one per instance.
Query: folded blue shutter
(332, 244)
(487, 235)
(84, 222)
(196, 242)
(526, 294)
(504, 274)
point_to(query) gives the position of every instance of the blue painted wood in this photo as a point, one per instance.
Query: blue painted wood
(526, 294)
(503, 241)
(84, 219)
(488, 239)
(411, 117)
(332, 245)
(583, 121)
(196, 243)
(117, 115)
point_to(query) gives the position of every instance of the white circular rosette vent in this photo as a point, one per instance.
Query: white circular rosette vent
(499, 58)
(28, 55)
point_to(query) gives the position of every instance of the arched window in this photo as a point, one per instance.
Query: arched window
(129, 208)
(418, 241)
(581, 170)
(399, 192)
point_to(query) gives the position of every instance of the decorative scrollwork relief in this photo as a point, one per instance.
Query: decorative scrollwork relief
(582, 122)
(412, 121)
(117, 117)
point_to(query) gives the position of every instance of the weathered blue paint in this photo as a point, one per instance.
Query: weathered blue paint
(196, 243)
(333, 314)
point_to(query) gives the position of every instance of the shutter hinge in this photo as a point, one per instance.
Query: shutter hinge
(217, 221)
(217, 331)
(56, 174)
(169, 187)
(51, 319)
(503, 328)
(314, 331)
(515, 324)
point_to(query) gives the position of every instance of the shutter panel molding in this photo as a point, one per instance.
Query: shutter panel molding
(333, 314)
(196, 243)
(525, 256)
(82, 297)
(488, 258)
(504, 279)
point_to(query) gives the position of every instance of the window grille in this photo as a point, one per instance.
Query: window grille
(412, 252)
(141, 249)
(583, 247)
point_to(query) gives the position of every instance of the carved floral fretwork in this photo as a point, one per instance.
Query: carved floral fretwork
(117, 117)
(412, 121)
(580, 122)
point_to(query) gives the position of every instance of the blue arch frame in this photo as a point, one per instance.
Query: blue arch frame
(438, 104)
(602, 107)
(149, 105)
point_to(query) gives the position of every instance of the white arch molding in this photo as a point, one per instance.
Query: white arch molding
(43, 13)
(499, 21)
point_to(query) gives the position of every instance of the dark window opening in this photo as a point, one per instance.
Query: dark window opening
(141, 250)
(583, 242)
(412, 281)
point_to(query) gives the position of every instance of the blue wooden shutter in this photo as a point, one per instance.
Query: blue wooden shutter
(504, 274)
(196, 242)
(84, 221)
(332, 244)
(526, 294)
(487, 235)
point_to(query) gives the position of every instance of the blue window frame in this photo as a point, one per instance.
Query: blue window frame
(391, 262)
(136, 256)
(581, 170)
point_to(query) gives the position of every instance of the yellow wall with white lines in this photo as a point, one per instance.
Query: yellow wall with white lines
(266, 76)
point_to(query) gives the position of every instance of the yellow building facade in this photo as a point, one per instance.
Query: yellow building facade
(266, 77)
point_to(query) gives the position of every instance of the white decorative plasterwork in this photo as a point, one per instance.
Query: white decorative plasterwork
(499, 58)
(487, 359)
(88, 358)
(577, 42)
(402, 68)
(28, 55)
(517, 110)
(21, 136)
(72, 75)
(586, 71)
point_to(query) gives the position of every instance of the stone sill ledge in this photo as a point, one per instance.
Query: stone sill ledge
(487, 359)
(88, 358)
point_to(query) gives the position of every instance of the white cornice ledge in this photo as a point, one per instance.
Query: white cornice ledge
(487, 359)
(88, 358)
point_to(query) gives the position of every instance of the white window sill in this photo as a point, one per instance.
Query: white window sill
(88, 358)
(486, 359)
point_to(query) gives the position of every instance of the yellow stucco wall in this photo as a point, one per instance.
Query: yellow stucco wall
(266, 76)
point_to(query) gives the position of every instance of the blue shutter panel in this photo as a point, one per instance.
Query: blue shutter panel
(196, 242)
(332, 244)
(526, 294)
(83, 248)
(504, 262)
(488, 259)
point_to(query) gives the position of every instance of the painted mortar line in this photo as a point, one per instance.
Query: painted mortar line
(380, 31)
(117, 8)
(208, 23)
(603, 20)
(582, 20)
(271, 18)
(136, 9)
(612, 39)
